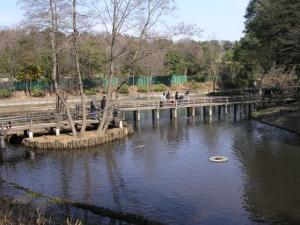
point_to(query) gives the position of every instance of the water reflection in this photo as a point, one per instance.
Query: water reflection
(270, 162)
(163, 172)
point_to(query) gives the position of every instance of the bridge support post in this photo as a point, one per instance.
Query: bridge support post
(2, 143)
(57, 131)
(30, 134)
(226, 109)
(121, 124)
(234, 110)
(210, 111)
(219, 110)
(249, 109)
(254, 107)
(173, 113)
(191, 112)
(137, 115)
(241, 109)
(155, 114)
(204, 111)
(123, 115)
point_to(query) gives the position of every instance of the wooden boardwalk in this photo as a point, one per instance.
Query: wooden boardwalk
(46, 121)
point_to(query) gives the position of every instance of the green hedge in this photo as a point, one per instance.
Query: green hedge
(4, 93)
(37, 92)
(124, 89)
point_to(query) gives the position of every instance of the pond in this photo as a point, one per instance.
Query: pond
(163, 172)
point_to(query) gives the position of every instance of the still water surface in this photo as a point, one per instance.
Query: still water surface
(163, 173)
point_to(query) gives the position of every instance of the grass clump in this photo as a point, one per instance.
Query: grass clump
(142, 89)
(195, 86)
(159, 88)
(37, 92)
(4, 93)
(15, 213)
(124, 89)
(90, 91)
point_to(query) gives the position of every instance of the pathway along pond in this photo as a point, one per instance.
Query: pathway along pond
(163, 172)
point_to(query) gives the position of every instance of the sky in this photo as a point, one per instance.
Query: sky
(219, 19)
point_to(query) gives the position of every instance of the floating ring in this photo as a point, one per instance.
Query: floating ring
(218, 158)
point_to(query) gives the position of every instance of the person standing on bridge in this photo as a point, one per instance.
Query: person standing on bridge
(103, 103)
(168, 96)
(93, 110)
(8, 126)
(162, 99)
(176, 95)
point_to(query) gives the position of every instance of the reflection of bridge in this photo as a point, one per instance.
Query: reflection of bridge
(49, 121)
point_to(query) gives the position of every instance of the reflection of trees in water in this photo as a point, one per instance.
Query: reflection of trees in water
(172, 131)
(1, 156)
(271, 171)
(87, 179)
(66, 161)
(211, 134)
(115, 178)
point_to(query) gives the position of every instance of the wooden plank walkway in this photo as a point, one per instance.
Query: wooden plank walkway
(197, 102)
(46, 120)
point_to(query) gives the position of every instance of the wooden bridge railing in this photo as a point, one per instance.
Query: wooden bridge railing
(183, 102)
(52, 117)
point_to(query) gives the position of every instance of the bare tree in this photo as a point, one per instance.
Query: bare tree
(213, 57)
(75, 45)
(126, 17)
(50, 14)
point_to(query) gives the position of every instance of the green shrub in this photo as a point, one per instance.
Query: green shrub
(124, 89)
(90, 91)
(37, 92)
(4, 93)
(142, 89)
(159, 88)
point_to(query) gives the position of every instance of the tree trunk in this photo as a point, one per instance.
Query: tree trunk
(54, 71)
(102, 126)
(26, 88)
(30, 87)
(83, 105)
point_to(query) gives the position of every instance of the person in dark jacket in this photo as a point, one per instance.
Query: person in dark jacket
(93, 110)
(176, 95)
(93, 107)
(103, 103)
(168, 96)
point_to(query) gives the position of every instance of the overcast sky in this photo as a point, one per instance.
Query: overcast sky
(220, 19)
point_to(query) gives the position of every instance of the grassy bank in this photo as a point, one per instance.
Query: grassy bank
(22, 206)
(13, 212)
(286, 117)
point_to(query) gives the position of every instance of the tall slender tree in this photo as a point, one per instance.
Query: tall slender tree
(78, 71)
(51, 15)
